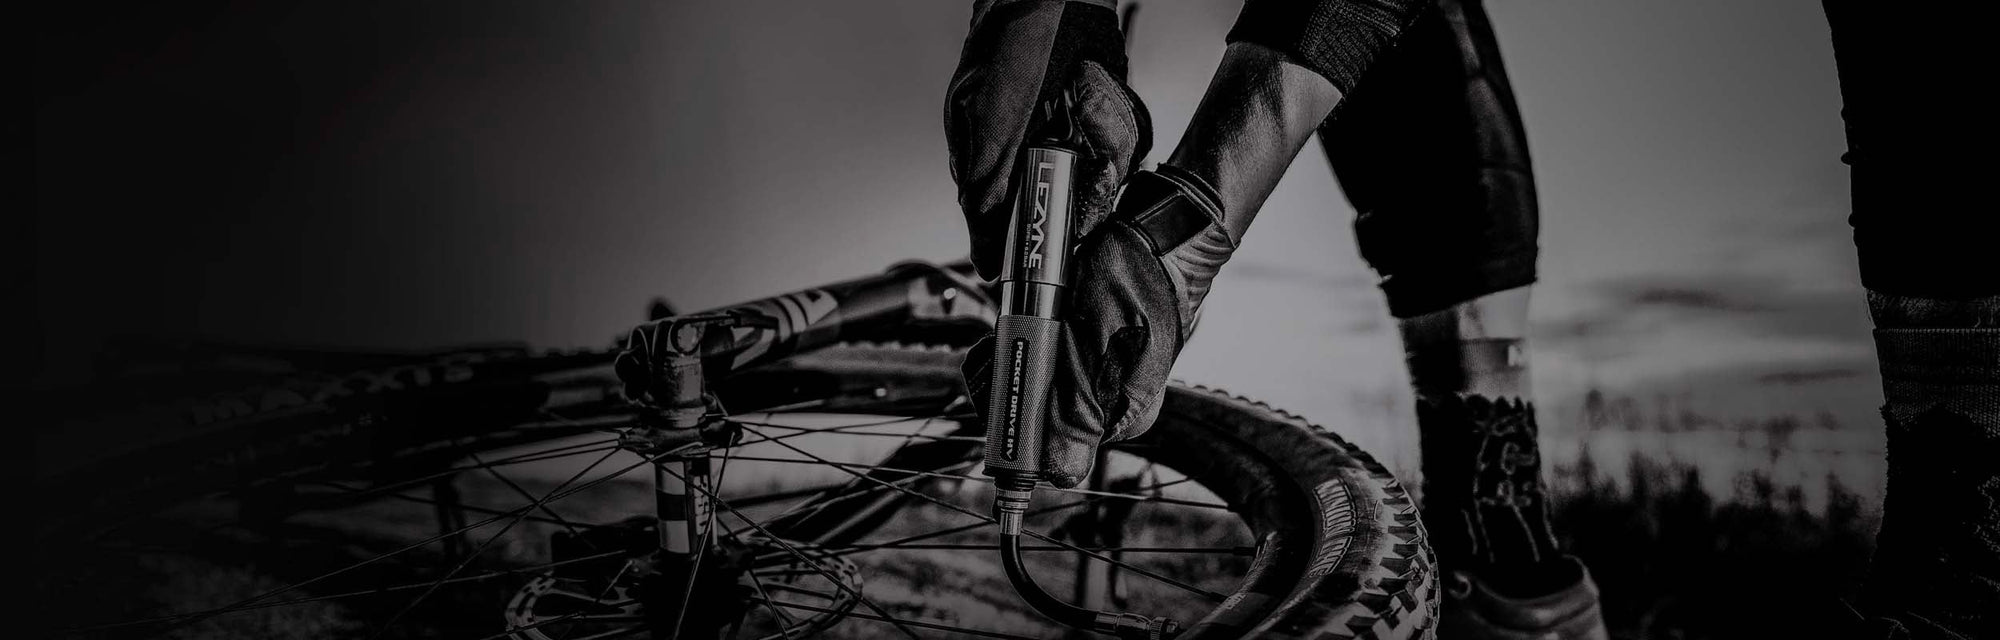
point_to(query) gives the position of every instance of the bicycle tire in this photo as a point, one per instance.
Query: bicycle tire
(1343, 554)
(1370, 572)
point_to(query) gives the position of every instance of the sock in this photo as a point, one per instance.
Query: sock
(1485, 504)
(1936, 569)
(1910, 312)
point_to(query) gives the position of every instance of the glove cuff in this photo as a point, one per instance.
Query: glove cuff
(1169, 206)
(1178, 216)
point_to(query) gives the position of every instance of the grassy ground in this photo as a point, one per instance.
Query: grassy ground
(193, 565)
(1674, 559)
(1675, 562)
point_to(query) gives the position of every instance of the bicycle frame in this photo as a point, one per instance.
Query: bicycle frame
(334, 391)
(417, 405)
(906, 302)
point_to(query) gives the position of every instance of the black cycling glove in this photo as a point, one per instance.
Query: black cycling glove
(1137, 287)
(1019, 53)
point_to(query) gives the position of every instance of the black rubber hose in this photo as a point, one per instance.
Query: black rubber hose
(1037, 599)
(1013, 491)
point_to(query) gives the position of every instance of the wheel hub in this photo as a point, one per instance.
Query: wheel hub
(612, 580)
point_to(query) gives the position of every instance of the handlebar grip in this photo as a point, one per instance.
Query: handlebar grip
(1027, 334)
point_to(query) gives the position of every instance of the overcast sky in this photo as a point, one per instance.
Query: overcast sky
(414, 175)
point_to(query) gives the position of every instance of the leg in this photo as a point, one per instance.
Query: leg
(1431, 152)
(1922, 221)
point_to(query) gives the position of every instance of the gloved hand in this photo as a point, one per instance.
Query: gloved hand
(1019, 53)
(1136, 290)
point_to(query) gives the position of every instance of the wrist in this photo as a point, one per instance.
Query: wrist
(1168, 206)
(1259, 110)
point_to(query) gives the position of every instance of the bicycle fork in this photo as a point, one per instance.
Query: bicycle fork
(1027, 340)
(678, 438)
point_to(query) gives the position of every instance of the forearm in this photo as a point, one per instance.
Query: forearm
(1260, 109)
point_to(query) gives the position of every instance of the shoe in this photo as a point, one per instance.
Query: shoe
(1474, 610)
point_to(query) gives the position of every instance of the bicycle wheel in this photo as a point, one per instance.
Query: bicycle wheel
(1231, 517)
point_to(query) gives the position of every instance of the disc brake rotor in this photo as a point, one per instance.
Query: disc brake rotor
(788, 590)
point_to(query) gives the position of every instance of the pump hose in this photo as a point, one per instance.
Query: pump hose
(1009, 506)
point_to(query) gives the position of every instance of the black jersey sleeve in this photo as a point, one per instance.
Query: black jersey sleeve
(1337, 38)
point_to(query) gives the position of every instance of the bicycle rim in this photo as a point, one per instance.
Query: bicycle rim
(1314, 536)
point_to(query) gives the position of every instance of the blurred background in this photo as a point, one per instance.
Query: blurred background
(422, 174)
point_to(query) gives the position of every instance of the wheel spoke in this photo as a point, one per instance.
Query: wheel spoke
(352, 594)
(830, 577)
(758, 584)
(900, 436)
(551, 454)
(432, 501)
(534, 456)
(856, 465)
(914, 623)
(816, 461)
(1031, 513)
(608, 586)
(609, 423)
(537, 456)
(459, 580)
(1043, 537)
(509, 633)
(781, 496)
(829, 597)
(841, 429)
(847, 429)
(858, 425)
(509, 526)
(566, 524)
(1235, 551)
(616, 633)
(1140, 498)
(802, 404)
(239, 605)
(831, 500)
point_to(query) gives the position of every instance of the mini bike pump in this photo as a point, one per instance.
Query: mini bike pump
(1033, 290)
